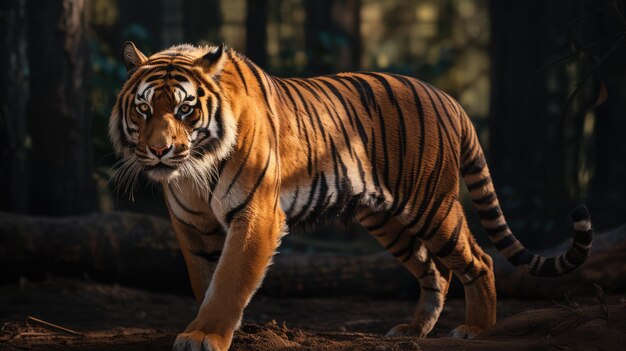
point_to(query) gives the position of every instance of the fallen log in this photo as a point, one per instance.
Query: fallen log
(141, 251)
(605, 266)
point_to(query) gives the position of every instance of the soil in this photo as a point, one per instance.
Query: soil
(110, 317)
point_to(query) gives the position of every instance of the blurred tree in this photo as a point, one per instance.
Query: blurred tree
(256, 31)
(553, 67)
(333, 35)
(518, 106)
(14, 92)
(203, 19)
(607, 65)
(61, 179)
(141, 21)
(527, 161)
(172, 23)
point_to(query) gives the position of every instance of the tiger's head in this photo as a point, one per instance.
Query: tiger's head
(171, 118)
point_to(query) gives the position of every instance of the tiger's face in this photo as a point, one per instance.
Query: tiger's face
(171, 118)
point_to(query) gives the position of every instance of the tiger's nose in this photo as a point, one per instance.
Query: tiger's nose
(160, 151)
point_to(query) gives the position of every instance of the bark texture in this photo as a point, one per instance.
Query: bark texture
(59, 123)
(139, 250)
(14, 93)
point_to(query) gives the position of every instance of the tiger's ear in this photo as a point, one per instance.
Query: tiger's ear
(133, 58)
(213, 61)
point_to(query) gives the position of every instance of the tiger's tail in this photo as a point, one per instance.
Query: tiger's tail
(478, 181)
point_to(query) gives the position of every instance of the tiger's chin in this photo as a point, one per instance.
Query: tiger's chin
(162, 173)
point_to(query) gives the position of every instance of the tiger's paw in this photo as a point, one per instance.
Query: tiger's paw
(198, 341)
(406, 330)
(465, 331)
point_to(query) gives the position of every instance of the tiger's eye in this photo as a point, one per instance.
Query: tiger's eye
(184, 108)
(143, 108)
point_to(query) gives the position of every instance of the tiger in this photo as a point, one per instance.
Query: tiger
(242, 156)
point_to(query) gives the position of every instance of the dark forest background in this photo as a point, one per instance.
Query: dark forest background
(542, 81)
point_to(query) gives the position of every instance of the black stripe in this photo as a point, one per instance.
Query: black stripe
(298, 217)
(410, 248)
(337, 94)
(212, 257)
(213, 231)
(452, 241)
(490, 213)
(435, 229)
(383, 136)
(380, 224)
(474, 166)
(293, 204)
(443, 129)
(243, 162)
(367, 216)
(583, 238)
(322, 201)
(395, 240)
(401, 205)
(485, 200)
(497, 230)
(373, 160)
(238, 69)
(522, 257)
(359, 125)
(394, 102)
(345, 101)
(480, 274)
(362, 94)
(429, 187)
(469, 267)
(479, 184)
(505, 242)
(257, 75)
(283, 84)
(313, 108)
(181, 205)
(233, 212)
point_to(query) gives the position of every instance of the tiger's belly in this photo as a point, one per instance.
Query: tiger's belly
(329, 193)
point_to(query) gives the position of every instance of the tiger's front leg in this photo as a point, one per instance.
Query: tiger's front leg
(253, 236)
(200, 235)
(201, 250)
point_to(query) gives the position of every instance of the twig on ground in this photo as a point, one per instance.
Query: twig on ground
(569, 303)
(602, 300)
(30, 334)
(54, 326)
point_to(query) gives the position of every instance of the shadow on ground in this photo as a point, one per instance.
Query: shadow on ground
(117, 318)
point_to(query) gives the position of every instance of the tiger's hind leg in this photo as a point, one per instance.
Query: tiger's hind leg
(451, 242)
(434, 278)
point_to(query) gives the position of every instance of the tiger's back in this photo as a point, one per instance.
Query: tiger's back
(363, 139)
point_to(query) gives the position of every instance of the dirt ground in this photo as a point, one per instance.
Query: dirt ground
(118, 318)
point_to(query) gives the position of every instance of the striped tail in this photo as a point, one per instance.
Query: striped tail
(478, 180)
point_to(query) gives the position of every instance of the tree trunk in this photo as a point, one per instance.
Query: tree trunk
(333, 35)
(256, 31)
(59, 123)
(147, 15)
(14, 92)
(608, 189)
(527, 154)
(203, 19)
